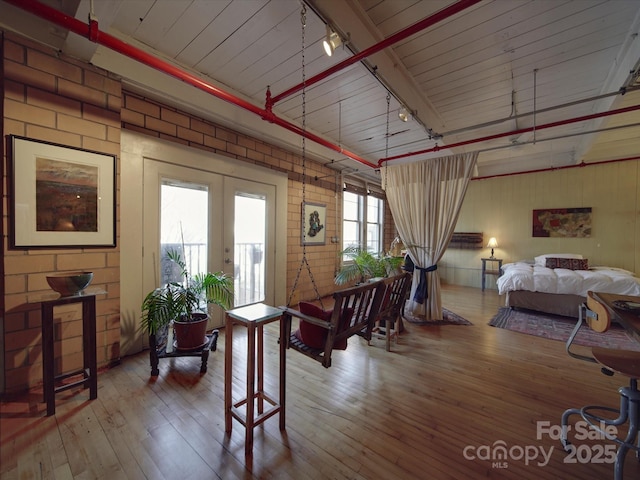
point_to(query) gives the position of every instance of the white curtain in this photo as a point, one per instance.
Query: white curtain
(425, 199)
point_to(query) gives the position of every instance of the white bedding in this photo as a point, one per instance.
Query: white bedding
(536, 278)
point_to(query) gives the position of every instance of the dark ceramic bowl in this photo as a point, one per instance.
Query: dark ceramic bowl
(69, 283)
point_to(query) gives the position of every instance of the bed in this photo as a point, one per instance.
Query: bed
(558, 283)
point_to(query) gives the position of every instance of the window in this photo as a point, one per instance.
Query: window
(352, 220)
(375, 214)
(362, 221)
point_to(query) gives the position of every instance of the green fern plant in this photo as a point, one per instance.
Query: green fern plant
(180, 300)
(359, 265)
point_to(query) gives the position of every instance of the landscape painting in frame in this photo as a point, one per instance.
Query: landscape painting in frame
(562, 222)
(61, 196)
(314, 217)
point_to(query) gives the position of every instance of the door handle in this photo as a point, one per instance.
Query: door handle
(227, 261)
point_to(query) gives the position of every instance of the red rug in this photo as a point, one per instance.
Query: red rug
(559, 328)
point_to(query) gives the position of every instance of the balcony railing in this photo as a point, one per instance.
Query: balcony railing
(248, 272)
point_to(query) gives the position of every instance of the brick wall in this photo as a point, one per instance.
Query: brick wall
(50, 97)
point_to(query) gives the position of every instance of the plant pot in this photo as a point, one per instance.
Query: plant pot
(191, 335)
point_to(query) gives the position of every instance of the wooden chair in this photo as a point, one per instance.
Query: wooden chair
(597, 318)
(388, 321)
(353, 313)
(623, 362)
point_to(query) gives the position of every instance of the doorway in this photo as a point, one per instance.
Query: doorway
(216, 223)
(148, 166)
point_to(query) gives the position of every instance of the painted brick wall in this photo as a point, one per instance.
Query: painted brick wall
(50, 97)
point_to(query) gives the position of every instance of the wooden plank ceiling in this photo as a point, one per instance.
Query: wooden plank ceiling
(496, 67)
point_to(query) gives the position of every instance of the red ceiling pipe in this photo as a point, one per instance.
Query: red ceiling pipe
(92, 32)
(513, 132)
(387, 42)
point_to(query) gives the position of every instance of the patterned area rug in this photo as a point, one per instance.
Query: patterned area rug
(559, 328)
(450, 318)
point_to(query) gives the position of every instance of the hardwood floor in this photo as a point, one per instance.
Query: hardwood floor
(433, 408)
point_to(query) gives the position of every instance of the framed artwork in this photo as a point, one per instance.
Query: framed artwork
(314, 217)
(562, 222)
(60, 196)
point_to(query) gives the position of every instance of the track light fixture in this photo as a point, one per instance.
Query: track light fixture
(403, 114)
(331, 41)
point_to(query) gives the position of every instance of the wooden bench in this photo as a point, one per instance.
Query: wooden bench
(358, 305)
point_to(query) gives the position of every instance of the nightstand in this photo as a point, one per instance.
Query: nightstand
(492, 270)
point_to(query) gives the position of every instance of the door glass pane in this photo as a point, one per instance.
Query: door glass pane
(184, 219)
(249, 247)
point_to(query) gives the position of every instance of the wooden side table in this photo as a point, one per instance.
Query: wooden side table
(254, 317)
(491, 271)
(89, 371)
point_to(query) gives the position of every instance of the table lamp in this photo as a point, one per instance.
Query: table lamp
(493, 243)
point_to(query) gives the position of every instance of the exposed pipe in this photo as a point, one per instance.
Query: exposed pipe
(513, 132)
(542, 110)
(559, 137)
(535, 97)
(387, 42)
(94, 34)
(551, 169)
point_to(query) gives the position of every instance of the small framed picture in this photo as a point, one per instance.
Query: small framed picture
(61, 196)
(314, 217)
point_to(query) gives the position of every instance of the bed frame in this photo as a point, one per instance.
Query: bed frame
(557, 304)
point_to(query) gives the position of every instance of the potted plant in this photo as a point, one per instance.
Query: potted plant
(185, 303)
(362, 265)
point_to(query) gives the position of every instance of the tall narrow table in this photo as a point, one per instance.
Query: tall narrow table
(89, 370)
(254, 317)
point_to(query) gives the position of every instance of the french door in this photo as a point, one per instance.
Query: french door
(216, 222)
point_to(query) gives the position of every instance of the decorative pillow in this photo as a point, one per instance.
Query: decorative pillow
(542, 259)
(315, 336)
(569, 263)
(312, 335)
